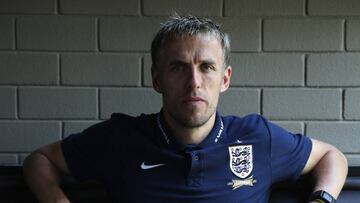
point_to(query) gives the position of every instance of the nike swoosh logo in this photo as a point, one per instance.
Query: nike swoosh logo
(146, 166)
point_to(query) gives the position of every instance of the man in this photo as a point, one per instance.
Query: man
(187, 152)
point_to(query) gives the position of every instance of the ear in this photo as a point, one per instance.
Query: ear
(155, 78)
(226, 79)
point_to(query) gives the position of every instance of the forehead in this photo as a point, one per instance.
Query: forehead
(199, 47)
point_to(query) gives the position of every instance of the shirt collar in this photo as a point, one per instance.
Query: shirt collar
(173, 144)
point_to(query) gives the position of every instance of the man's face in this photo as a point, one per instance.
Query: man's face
(190, 76)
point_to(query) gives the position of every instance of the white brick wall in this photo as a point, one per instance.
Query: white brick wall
(264, 7)
(303, 35)
(302, 104)
(333, 70)
(67, 64)
(352, 35)
(57, 103)
(6, 32)
(127, 33)
(106, 7)
(23, 136)
(267, 69)
(334, 7)
(165, 7)
(28, 68)
(56, 33)
(100, 69)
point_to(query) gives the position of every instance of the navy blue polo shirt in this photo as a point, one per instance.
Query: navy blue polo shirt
(139, 160)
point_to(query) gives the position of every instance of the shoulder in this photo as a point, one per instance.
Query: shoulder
(117, 124)
(118, 127)
(246, 123)
(252, 124)
(141, 124)
(121, 117)
(128, 120)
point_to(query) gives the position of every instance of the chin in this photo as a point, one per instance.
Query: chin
(193, 121)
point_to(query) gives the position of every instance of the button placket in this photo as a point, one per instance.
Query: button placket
(196, 157)
(195, 173)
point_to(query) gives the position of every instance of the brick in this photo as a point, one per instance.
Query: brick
(132, 101)
(147, 79)
(241, 39)
(303, 35)
(353, 159)
(100, 69)
(248, 39)
(6, 32)
(127, 33)
(7, 102)
(264, 8)
(293, 127)
(101, 7)
(25, 68)
(352, 101)
(302, 103)
(239, 102)
(57, 103)
(25, 136)
(334, 7)
(333, 70)
(8, 159)
(27, 7)
(71, 127)
(344, 135)
(182, 7)
(267, 69)
(352, 35)
(65, 33)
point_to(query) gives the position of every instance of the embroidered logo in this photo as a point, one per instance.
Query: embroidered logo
(241, 161)
(241, 164)
(220, 131)
(145, 166)
(238, 183)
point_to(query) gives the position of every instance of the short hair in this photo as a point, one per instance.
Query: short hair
(183, 26)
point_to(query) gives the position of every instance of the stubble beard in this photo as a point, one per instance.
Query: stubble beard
(192, 119)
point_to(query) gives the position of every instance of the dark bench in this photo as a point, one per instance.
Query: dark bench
(14, 190)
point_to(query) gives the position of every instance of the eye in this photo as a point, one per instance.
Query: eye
(208, 67)
(176, 67)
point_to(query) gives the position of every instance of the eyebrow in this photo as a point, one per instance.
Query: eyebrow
(180, 62)
(208, 62)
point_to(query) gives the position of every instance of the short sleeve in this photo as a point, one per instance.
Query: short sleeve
(289, 153)
(86, 153)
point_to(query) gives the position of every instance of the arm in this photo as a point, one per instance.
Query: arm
(328, 166)
(42, 169)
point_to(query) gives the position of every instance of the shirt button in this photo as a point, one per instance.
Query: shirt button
(196, 157)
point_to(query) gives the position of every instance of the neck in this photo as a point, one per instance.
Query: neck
(189, 135)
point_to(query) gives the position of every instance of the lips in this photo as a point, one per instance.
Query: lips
(193, 100)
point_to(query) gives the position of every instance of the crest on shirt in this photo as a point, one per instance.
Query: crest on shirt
(235, 184)
(241, 160)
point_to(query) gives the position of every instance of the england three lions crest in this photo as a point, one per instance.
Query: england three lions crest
(241, 160)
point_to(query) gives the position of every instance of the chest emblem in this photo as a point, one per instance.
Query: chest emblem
(241, 164)
(241, 160)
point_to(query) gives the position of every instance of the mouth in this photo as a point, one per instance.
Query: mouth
(194, 100)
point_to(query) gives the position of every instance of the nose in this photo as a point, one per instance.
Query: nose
(194, 78)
